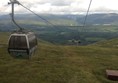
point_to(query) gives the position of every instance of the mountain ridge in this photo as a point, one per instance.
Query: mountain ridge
(97, 18)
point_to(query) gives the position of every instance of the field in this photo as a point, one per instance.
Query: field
(60, 64)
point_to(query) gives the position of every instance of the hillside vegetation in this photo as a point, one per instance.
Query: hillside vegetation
(59, 64)
(66, 28)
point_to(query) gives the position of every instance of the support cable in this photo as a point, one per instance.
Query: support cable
(84, 24)
(37, 15)
(12, 2)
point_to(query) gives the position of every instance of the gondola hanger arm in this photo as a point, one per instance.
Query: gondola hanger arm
(12, 2)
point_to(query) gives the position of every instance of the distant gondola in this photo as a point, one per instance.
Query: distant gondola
(22, 44)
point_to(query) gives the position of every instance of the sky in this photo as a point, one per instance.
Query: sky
(62, 6)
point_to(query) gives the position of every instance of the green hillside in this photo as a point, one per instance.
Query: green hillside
(111, 43)
(59, 64)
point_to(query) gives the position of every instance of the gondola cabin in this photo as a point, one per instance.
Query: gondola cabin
(22, 45)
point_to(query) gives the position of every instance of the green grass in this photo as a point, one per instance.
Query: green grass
(4, 37)
(108, 43)
(59, 64)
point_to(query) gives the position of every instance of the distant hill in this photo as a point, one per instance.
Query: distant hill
(101, 18)
(66, 27)
(110, 18)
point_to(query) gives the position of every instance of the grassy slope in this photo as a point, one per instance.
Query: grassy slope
(58, 64)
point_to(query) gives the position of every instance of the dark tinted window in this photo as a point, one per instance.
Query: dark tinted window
(32, 41)
(18, 42)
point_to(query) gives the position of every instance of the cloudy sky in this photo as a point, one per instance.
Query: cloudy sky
(62, 6)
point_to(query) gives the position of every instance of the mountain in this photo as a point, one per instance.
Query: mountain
(101, 18)
(110, 18)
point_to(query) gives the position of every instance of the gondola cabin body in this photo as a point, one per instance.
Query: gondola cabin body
(22, 45)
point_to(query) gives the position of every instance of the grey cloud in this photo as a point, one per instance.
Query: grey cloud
(61, 3)
(103, 10)
(52, 2)
(60, 6)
